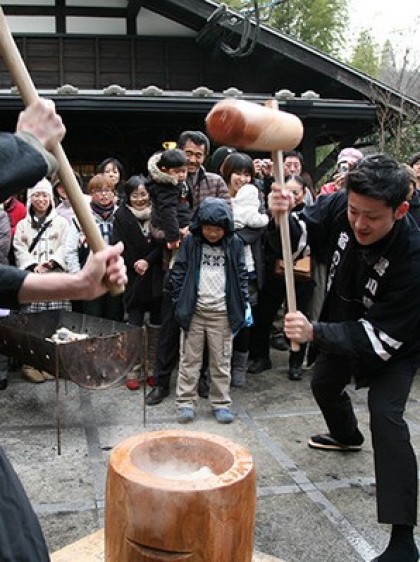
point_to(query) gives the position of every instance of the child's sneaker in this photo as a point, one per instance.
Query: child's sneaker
(223, 415)
(185, 415)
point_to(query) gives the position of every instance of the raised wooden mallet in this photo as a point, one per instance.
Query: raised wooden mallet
(253, 126)
(14, 63)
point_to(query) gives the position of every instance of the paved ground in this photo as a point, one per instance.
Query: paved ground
(312, 506)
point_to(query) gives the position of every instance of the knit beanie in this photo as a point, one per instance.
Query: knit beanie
(44, 186)
(351, 155)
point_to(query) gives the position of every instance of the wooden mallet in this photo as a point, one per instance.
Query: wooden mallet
(252, 126)
(14, 63)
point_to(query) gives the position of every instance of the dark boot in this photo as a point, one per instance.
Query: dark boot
(295, 364)
(157, 395)
(152, 339)
(4, 372)
(238, 368)
(259, 365)
(401, 547)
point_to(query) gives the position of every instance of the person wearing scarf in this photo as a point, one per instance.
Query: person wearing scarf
(103, 208)
(143, 257)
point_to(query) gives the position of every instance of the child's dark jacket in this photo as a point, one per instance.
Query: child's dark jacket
(170, 209)
(185, 274)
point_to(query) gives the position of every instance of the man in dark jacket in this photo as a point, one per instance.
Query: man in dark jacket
(368, 329)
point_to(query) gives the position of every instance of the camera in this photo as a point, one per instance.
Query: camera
(343, 168)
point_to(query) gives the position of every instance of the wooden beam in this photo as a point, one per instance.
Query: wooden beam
(60, 18)
(133, 9)
(90, 11)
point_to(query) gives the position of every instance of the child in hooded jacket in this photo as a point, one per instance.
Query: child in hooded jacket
(210, 295)
(170, 196)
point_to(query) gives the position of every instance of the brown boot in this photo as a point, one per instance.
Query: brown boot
(32, 375)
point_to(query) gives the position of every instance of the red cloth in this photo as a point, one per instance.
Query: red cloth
(328, 188)
(16, 211)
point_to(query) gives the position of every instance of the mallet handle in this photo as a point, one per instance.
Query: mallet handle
(278, 172)
(14, 62)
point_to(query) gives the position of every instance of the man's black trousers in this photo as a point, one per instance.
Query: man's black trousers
(394, 458)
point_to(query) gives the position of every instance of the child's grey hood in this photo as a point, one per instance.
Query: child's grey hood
(213, 211)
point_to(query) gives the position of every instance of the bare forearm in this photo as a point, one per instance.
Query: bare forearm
(52, 286)
(106, 266)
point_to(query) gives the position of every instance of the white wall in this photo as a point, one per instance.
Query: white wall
(96, 26)
(33, 24)
(148, 23)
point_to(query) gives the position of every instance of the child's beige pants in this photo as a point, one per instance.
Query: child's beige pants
(213, 327)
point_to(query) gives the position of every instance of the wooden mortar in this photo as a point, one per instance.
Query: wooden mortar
(152, 515)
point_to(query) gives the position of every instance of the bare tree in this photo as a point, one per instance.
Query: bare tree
(398, 115)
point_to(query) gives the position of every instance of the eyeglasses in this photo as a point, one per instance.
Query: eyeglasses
(105, 191)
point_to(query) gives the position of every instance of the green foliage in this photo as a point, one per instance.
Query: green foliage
(319, 23)
(366, 54)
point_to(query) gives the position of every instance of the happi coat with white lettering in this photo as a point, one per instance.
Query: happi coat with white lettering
(371, 311)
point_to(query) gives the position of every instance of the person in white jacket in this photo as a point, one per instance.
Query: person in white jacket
(38, 246)
(246, 213)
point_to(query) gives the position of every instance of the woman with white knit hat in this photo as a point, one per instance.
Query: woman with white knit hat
(38, 246)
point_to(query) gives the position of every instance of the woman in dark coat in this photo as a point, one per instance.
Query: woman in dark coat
(143, 257)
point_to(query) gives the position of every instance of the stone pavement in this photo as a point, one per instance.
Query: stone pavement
(312, 506)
